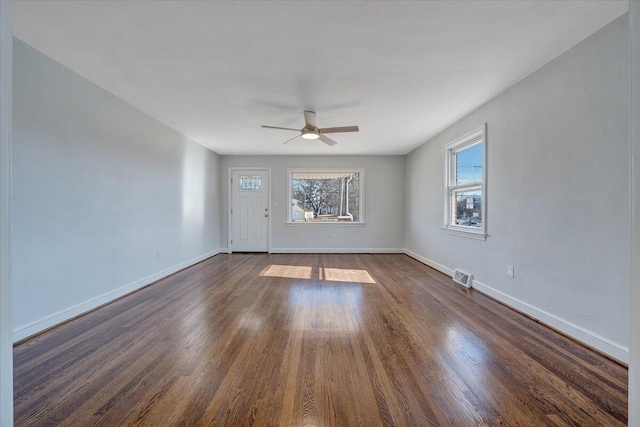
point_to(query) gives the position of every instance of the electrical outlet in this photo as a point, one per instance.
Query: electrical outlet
(510, 271)
(158, 254)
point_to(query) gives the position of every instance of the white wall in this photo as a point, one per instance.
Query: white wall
(98, 188)
(634, 346)
(6, 348)
(557, 194)
(384, 204)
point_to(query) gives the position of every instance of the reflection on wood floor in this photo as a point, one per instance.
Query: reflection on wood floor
(312, 340)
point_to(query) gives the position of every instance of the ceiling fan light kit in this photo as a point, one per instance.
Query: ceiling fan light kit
(310, 135)
(310, 131)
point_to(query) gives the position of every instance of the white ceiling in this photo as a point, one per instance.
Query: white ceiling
(216, 71)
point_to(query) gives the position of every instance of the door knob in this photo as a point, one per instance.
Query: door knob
(266, 215)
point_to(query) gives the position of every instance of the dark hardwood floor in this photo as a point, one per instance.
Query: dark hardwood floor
(312, 340)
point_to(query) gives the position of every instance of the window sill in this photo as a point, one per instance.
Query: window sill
(324, 223)
(478, 235)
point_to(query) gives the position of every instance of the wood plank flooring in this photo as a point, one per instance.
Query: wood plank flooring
(261, 340)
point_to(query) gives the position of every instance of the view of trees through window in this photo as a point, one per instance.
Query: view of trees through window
(325, 196)
(468, 208)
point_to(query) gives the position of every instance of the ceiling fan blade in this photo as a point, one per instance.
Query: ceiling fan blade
(297, 136)
(327, 140)
(340, 129)
(276, 127)
(310, 119)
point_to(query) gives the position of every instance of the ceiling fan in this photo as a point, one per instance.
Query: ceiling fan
(310, 131)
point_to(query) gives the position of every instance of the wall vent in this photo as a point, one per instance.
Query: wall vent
(462, 278)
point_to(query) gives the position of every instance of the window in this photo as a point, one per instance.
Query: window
(326, 196)
(465, 181)
(250, 183)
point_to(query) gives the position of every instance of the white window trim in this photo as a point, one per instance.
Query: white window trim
(290, 221)
(469, 139)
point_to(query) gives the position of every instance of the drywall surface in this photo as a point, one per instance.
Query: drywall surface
(557, 194)
(634, 345)
(384, 204)
(6, 347)
(105, 198)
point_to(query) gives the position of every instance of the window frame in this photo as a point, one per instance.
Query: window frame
(289, 220)
(468, 140)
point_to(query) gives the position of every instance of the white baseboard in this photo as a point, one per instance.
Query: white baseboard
(441, 268)
(613, 349)
(22, 332)
(588, 337)
(336, 251)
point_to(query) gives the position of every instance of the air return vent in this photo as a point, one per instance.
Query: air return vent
(462, 278)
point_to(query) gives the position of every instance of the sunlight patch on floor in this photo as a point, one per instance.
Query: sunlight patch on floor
(329, 274)
(346, 275)
(287, 271)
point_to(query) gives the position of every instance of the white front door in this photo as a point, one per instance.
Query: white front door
(249, 210)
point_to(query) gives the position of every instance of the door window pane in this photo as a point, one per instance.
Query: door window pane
(250, 183)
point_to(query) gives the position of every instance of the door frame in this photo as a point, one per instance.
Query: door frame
(230, 171)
